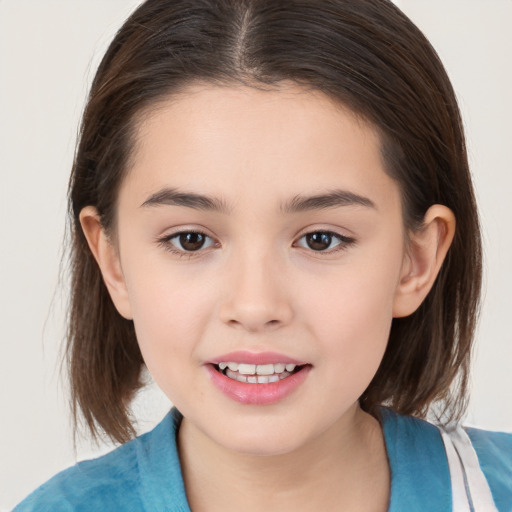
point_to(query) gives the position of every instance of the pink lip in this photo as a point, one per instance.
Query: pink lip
(257, 394)
(242, 356)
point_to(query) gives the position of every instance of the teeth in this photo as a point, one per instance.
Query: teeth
(245, 369)
(279, 368)
(256, 379)
(257, 369)
(265, 369)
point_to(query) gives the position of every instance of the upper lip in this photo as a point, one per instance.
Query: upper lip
(242, 356)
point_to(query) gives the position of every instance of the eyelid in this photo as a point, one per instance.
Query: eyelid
(165, 242)
(344, 241)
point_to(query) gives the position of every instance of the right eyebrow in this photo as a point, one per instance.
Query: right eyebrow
(174, 197)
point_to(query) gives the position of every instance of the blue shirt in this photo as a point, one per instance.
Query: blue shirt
(145, 474)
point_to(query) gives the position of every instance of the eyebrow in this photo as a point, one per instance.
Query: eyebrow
(299, 203)
(331, 199)
(173, 197)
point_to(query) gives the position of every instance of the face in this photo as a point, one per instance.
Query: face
(259, 229)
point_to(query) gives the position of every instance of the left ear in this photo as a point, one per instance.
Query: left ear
(425, 254)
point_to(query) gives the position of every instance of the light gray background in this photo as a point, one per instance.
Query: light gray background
(48, 53)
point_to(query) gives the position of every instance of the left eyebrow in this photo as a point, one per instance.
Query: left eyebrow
(332, 199)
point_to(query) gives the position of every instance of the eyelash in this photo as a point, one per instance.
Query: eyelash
(344, 242)
(166, 243)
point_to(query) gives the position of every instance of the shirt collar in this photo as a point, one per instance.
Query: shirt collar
(420, 477)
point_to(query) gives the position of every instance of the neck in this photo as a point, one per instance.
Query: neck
(333, 471)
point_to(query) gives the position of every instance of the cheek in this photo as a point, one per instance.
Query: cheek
(356, 329)
(351, 315)
(169, 323)
(171, 311)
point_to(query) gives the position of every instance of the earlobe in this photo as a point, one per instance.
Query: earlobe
(425, 254)
(107, 257)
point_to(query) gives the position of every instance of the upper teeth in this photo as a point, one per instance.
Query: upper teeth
(257, 369)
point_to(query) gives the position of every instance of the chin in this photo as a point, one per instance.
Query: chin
(258, 437)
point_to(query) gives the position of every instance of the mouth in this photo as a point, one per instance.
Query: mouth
(256, 380)
(257, 373)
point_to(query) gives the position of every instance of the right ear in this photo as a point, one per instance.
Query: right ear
(107, 257)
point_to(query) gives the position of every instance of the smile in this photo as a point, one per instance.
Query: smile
(257, 373)
(253, 379)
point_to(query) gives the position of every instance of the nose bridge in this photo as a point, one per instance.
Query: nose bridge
(256, 298)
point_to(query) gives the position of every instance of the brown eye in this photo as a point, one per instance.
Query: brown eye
(324, 241)
(189, 241)
(319, 241)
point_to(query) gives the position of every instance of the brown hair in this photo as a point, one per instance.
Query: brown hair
(365, 54)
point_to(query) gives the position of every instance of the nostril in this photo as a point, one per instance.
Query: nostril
(254, 325)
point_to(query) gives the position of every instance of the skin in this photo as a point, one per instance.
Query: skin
(257, 286)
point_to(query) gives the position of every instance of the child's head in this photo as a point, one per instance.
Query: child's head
(281, 82)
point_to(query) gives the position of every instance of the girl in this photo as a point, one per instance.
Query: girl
(272, 211)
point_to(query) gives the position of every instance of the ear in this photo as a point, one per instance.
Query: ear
(107, 257)
(425, 254)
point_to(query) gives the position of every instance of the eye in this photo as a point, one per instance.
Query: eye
(324, 241)
(187, 241)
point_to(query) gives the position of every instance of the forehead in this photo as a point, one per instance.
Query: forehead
(231, 141)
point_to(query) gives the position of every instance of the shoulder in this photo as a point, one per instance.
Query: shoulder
(493, 447)
(90, 485)
(123, 479)
(494, 452)
(418, 459)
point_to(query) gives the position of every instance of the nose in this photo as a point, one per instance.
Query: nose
(256, 297)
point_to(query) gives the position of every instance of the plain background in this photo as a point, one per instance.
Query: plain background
(48, 53)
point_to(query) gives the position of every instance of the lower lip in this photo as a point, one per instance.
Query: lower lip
(257, 394)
